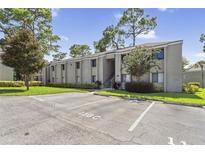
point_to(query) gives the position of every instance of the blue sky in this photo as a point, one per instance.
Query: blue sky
(83, 26)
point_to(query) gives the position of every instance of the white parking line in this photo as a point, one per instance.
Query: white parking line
(36, 98)
(75, 107)
(132, 127)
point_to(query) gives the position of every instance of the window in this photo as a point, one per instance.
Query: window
(93, 78)
(52, 67)
(62, 67)
(53, 80)
(123, 78)
(157, 77)
(154, 77)
(93, 63)
(159, 55)
(77, 65)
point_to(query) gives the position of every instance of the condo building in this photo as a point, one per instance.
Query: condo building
(107, 67)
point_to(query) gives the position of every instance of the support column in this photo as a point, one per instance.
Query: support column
(117, 67)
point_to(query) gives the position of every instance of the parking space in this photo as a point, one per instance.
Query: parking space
(84, 118)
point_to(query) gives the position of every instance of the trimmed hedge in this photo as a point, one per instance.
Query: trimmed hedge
(36, 83)
(140, 87)
(11, 83)
(19, 83)
(73, 85)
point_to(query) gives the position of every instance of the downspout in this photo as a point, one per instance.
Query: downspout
(165, 69)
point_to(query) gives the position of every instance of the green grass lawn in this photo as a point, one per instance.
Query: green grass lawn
(180, 98)
(41, 90)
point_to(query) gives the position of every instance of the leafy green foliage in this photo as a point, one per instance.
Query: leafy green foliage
(140, 60)
(38, 20)
(201, 65)
(140, 87)
(112, 38)
(23, 52)
(11, 83)
(202, 39)
(19, 83)
(59, 56)
(185, 63)
(134, 22)
(79, 50)
(190, 88)
(194, 83)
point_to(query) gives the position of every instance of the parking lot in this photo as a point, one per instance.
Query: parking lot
(84, 118)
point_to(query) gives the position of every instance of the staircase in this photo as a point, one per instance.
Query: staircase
(109, 82)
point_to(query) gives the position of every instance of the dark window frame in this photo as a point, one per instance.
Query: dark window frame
(52, 68)
(159, 55)
(63, 67)
(77, 65)
(93, 63)
(157, 78)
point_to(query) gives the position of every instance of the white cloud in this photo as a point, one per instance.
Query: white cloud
(55, 12)
(150, 35)
(200, 55)
(162, 9)
(64, 38)
(167, 10)
(118, 16)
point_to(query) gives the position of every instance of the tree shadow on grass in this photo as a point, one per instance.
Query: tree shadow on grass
(3, 91)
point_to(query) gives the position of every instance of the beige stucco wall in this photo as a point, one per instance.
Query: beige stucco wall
(6, 73)
(71, 72)
(86, 71)
(193, 76)
(173, 68)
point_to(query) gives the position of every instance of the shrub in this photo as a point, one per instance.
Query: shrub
(98, 84)
(11, 83)
(190, 88)
(194, 83)
(140, 87)
(35, 83)
(73, 85)
(116, 85)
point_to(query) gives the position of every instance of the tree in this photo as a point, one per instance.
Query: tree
(38, 20)
(185, 63)
(140, 60)
(135, 23)
(59, 56)
(101, 45)
(23, 52)
(112, 38)
(202, 39)
(79, 50)
(201, 65)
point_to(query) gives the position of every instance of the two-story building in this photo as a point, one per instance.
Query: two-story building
(108, 67)
(6, 73)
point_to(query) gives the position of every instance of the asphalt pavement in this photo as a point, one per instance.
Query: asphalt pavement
(84, 118)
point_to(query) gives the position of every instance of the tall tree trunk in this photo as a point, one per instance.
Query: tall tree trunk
(133, 39)
(27, 81)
